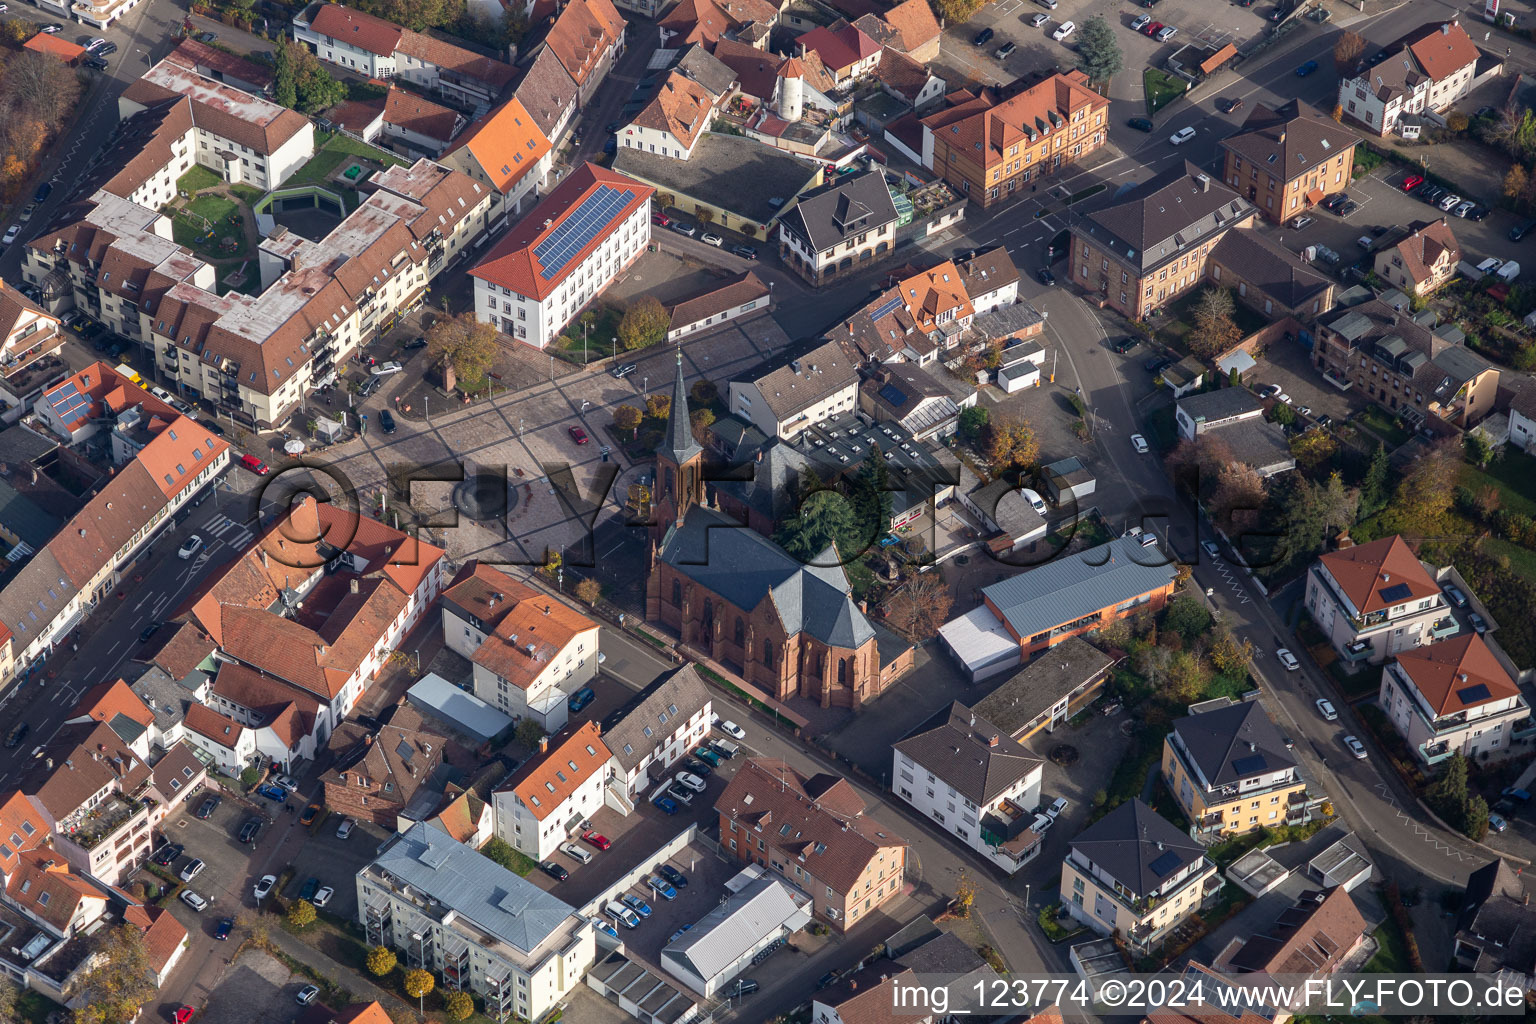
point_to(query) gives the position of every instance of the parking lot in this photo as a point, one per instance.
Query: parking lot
(226, 876)
(257, 989)
(334, 862)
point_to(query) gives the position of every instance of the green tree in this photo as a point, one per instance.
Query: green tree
(1475, 824)
(973, 421)
(701, 420)
(1098, 53)
(627, 417)
(459, 1005)
(1480, 450)
(873, 501)
(499, 850)
(418, 983)
(704, 391)
(1447, 795)
(1313, 447)
(528, 733)
(466, 344)
(1376, 486)
(644, 323)
(381, 960)
(119, 984)
(1283, 414)
(301, 913)
(285, 89)
(1186, 615)
(824, 519)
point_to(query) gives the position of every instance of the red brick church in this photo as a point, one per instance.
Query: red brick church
(736, 597)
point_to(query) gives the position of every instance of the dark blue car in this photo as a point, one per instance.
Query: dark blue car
(581, 698)
(273, 792)
(1306, 69)
(665, 804)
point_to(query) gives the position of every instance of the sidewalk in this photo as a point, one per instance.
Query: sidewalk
(340, 974)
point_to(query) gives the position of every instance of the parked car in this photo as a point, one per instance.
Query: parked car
(1045, 277)
(577, 434)
(710, 238)
(596, 839)
(622, 914)
(1151, 28)
(310, 887)
(746, 252)
(1465, 207)
(386, 421)
(1429, 194)
(1326, 709)
(254, 464)
(1522, 229)
(1452, 591)
(1140, 22)
(584, 696)
(661, 887)
(710, 756)
(1036, 20)
(732, 730)
(226, 925)
(1411, 182)
(680, 793)
(684, 229)
(1141, 124)
(263, 887)
(1125, 346)
(1140, 444)
(576, 853)
(703, 769)
(1210, 548)
(1355, 747)
(1181, 136)
(250, 831)
(1287, 659)
(983, 37)
(636, 904)
(1064, 30)
(673, 875)
(1166, 33)
(742, 987)
(1042, 824)
(1306, 69)
(1449, 203)
(623, 370)
(1301, 222)
(46, 188)
(206, 810)
(1349, 207)
(1365, 242)
(307, 995)
(554, 870)
(108, 50)
(323, 896)
(166, 855)
(665, 804)
(1057, 808)
(191, 546)
(345, 828)
(693, 782)
(1496, 822)
(1477, 622)
(272, 792)
(193, 900)
(1006, 50)
(1333, 202)
(310, 814)
(385, 369)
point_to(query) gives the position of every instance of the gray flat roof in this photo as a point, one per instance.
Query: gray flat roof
(1038, 686)
(1069, 588)
(728, 171)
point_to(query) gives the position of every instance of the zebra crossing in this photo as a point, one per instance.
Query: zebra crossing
(227, 530)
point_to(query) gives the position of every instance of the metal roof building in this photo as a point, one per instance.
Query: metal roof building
(727, 940)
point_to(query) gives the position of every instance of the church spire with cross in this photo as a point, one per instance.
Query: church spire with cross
(679, 461)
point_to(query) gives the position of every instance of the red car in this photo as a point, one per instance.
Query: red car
(1152, 29)
(1412, 182)
(182, 1015)
(577, 434)
(254, 464)
(596, 839)
(661, 220)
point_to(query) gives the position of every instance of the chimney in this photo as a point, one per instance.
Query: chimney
(543, 744)
(368, 740)
(353, 586)
(265, 561)
(993, 740)
(1281, 136)
(1445, 29)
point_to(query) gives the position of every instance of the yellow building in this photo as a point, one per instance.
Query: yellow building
(1230, 772)
(1134, 873)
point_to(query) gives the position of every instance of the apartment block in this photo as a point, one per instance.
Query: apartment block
(1231, 772)
(1288, 159)
(1455, 697)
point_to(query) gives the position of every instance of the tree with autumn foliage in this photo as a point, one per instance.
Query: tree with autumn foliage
(38, 95)
(1011, 443)
(465, 343)
(1346, 53)
(119, 984)
(627, 418)
(921, 607)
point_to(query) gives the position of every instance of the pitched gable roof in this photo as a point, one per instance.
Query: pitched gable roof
(681, 107)
(1290, 140)
(573, 756)
(1270, 267)
(973, 756)
(1372, 575)
(1310, 937)
(584, 31)
(1164, 216)
(1457, 674)
(547, 92)
(1442, 49)
(507, 143)
(1428, 244)
(413, 113)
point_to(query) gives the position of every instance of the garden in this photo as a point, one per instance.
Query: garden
(591, 337)
(1161, 88)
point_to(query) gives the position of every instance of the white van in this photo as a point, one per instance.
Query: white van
(1035, 501)
(576, 853)
(622, 914)
(1509, 271)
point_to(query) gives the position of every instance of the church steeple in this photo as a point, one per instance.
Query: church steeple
(679, 461)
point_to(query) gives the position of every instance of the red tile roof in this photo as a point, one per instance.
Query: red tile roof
(529, 637)
(1443, 49)
(1457, 674)
(839, 48)
(106, 701)
(45, 887)
(582, 33)
(22, 828)
(356, 29)
(507, 143)
(191, 53)
(205, 721)
(545, 781)
(513, 264)
(914, 24)
(1365, 571)
(162, 938)
(52, 45)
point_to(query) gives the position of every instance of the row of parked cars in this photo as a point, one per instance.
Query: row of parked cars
(629, 909)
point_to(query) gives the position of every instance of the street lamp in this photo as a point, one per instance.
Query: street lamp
(426, 407)
(585, 330)
(421, 962)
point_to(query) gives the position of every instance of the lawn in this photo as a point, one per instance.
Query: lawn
(214, 208)
(1514, 476)
(332, 152)
(1392, 953)
(197, 179)
(1161, 88)
(1521, 560)
(228, 241)
(249, 194)
(601, 340)
(1383, 424)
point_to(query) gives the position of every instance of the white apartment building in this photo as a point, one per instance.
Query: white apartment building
(816, 387)
(564, 254)
(190, 118)
(672, 123)
(663, 723)
(1376, 600)
(1455, 697)
(975, 782)
(255, 356)
(545, 800)
(380, 49)
(475, 925)
(1427, 72)
(990, 280)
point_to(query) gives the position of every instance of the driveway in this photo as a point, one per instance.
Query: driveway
(257, 989)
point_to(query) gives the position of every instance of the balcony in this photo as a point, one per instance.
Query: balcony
(1356, 652)
(1447, 626)
(101, 822)
(1434, 753)
(1338, 380)
(1523, 728)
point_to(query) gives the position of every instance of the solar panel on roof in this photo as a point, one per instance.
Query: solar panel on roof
(892, 395)
(1473, 694)
(1250, 765)
(1166, 864)
(887, 309)
(579, 227)
(67, 399)
(1396, 592)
